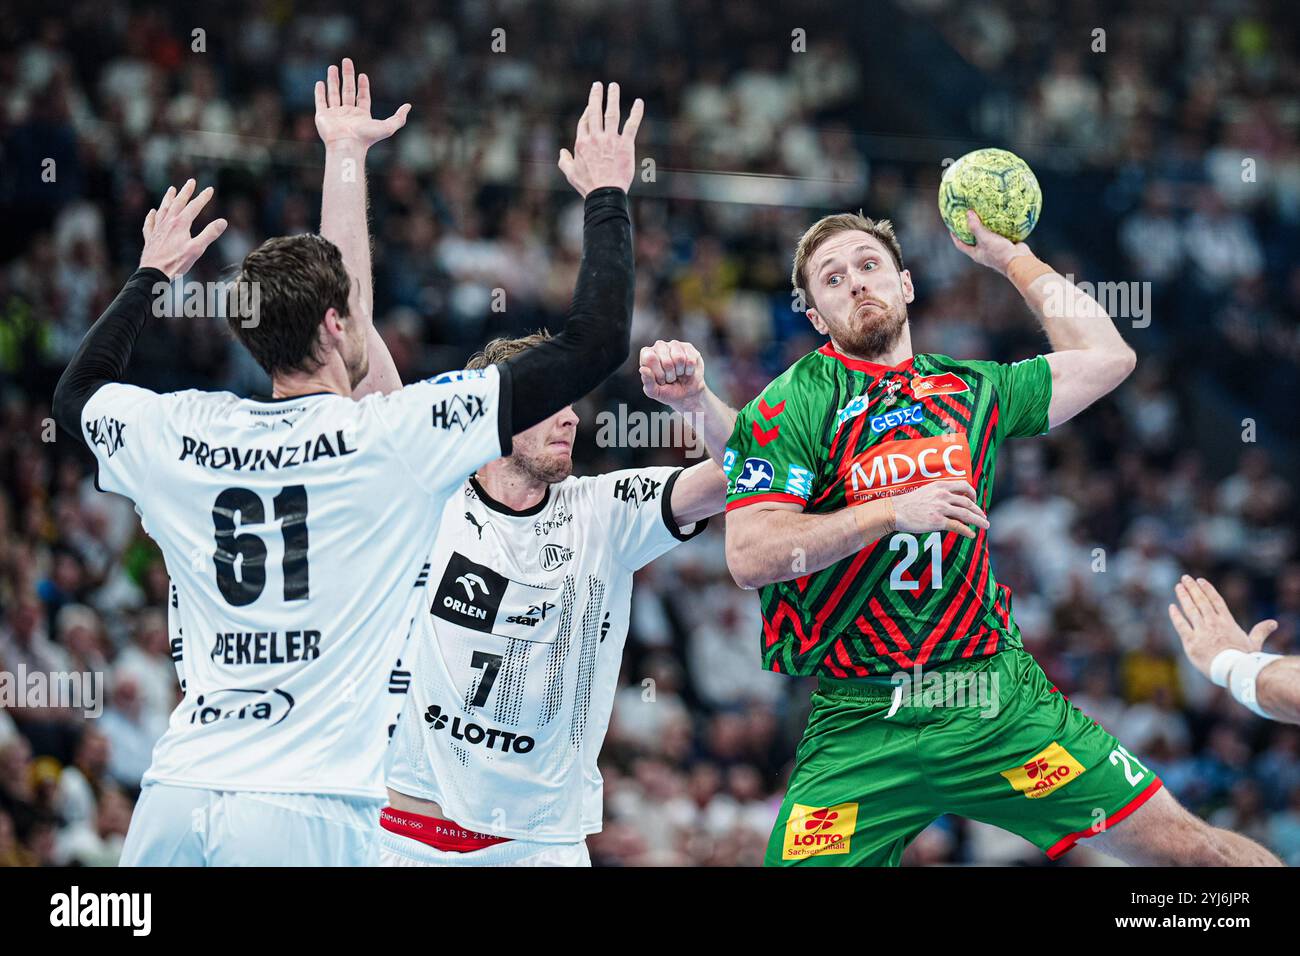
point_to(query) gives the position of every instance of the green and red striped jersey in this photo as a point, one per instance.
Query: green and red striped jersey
(833, 432)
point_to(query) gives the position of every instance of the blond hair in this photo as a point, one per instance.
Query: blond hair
(827, 226)
(498, 350)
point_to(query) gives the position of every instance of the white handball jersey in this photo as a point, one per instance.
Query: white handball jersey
(294, 532)
(514, 658)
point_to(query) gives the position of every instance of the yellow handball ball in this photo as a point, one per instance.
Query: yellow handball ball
(999, 186)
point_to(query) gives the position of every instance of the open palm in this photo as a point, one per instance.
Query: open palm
(343, 111)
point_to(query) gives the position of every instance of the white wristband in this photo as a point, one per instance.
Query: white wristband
(1221, 666)
(1244, 674)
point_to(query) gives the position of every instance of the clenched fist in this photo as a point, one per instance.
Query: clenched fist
(672, 373)
(940, 506)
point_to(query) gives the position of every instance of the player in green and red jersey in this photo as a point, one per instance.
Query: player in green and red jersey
(857, 483)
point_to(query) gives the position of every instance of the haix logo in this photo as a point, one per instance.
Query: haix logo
(269, 707)
(1045, 772)
(107, 434)
(636, 489)
(458, 412)
(555, 556)
(470, 733)
(819, 831)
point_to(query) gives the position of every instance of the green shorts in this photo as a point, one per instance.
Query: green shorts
(991, 740)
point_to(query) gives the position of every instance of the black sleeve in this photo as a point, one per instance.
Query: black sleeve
(598, 330)
(105, 351)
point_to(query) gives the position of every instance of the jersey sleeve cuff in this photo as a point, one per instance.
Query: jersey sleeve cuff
(666, 509)
(505, 414)
(780, 496)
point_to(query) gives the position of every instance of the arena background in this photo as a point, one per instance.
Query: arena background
(1168, 148)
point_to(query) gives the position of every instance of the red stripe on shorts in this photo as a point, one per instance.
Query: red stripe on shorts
(439, 834)
(1065, 844)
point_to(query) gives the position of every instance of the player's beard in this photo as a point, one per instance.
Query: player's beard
(549, 469)
(872, 334)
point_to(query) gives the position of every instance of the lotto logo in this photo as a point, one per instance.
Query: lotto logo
(895, 467)
(819, 831)
(1046, 771)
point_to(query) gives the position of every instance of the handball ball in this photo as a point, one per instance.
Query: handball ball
(999, 186)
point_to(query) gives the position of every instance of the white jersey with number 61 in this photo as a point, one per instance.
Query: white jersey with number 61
(294, 532)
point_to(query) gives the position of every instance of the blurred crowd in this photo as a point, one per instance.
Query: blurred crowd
(1141, 151)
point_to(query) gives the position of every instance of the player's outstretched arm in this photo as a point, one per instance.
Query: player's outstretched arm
(1268, 684)
(596, 338)
(348, 131)
(775, 541)
(1089, 357)
(169, 251)
(673, 373)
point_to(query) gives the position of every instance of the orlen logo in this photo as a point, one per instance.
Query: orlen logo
(502, 740)
(817, 831)
(1049, 770)
(238, 703)
(945, 384)
(894, 467)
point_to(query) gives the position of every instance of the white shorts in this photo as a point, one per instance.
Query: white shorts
(187, 826)
(398, 850)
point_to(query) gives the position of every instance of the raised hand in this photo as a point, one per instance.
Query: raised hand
(990, 249)
(940, 506)
(672, 373)
(168, 245)
(343, 112)
(1206, 626)
(602, 156)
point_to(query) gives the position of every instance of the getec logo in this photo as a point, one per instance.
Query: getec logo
(268, 707)
(475, 735)
(458, 411)
(912, 415)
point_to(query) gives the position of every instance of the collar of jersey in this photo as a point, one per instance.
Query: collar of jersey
(858, 365)
(495, 505)
(268, 400)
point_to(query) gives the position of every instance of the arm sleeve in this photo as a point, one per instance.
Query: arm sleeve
(1024, 394)
(771, 454)
(597, 332)
(635, 506)
(105, 351)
